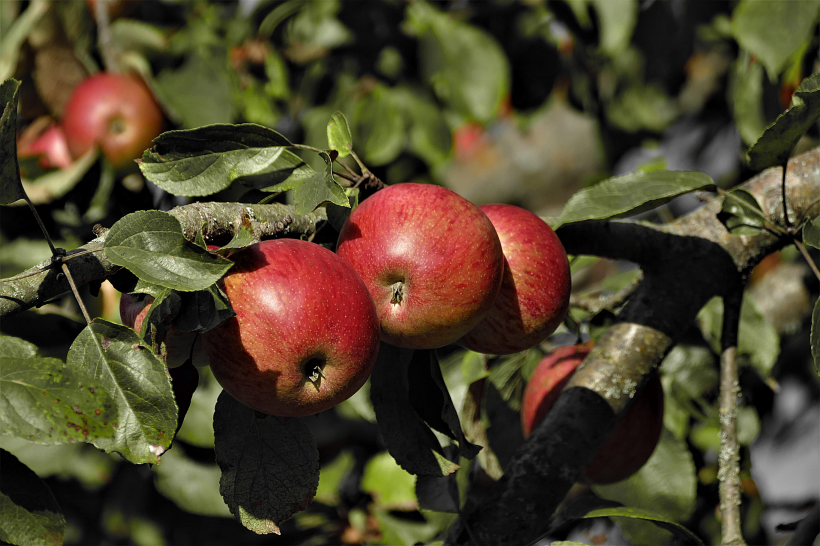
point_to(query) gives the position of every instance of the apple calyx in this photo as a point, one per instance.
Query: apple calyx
(313, 370)
(397, 291)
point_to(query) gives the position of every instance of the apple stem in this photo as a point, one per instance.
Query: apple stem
(398, 293)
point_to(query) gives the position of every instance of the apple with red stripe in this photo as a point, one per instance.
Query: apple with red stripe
(305, 336)
(431, 260)
(534, 295)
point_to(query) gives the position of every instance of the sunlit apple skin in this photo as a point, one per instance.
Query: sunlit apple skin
(635, 435)
(298, 306)
(48, 144)
(133, 310)
(534, 295)
(115, 111)
(431, 260)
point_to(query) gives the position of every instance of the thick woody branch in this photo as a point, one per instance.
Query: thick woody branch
(218, 221)
(685, 263)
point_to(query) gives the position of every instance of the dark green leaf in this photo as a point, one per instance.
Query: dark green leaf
(139, 384)
(206, 173)
(202, 310)
(338, 135)
(466, 67)
(741, 213)
(379, 126)
(630, 194)
(815, 336)
(314, 189)
(151, 245)
(778, 140)
(337, 215)
(270, 466)
(11, 188)
(774, 31)
(428, 133)
(29, 513)
(409, 440)
(431, 400)
(666, 485)
(44, 401)
(242, 237)
(217, 138)
(199, 92)
(198, 427)
(811, 232)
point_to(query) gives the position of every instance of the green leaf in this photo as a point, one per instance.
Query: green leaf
(151, 245)
(466, 67)
(390, 485)
(746, 98)
(774, 30)
(428, 134)
(646, 515)
(218, 138)
(313, 190)
(409, 440)
(811, 232)
(740, 219)
(242, 237)
(337, 215)
(11, 188)
(815, 336)
(29, 513)
(44, 401)
(379, 126)
(666, 485)
(779, 139)
(139, 384)
(630, 194)
(270, 466)
(758, 342)
(338, 134)
(642, 107)
(206, 173)
(191, 485)
(199, 92)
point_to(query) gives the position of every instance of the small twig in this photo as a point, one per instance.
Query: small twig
(54, 251)
(105, 42)
(364, 169)
(807, 256)
(51, 263)
(76, 292)
(729, 459)
(783, 191)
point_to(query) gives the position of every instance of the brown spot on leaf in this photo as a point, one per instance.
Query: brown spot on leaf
(97, 412)
(106, 343)
(77, 409)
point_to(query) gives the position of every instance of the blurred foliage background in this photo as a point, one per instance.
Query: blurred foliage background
(517, 101)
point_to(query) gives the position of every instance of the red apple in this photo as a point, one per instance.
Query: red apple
(305, 336)
(133, 310)
(636, 434)
(115, 111)
(46, 140)
(431, 260)
(534, 294)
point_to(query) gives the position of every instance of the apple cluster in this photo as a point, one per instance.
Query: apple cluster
(116, 112)
(416, 265)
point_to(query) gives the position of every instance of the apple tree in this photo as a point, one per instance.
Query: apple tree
(671, 146)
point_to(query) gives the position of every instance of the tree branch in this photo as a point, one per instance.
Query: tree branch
(219, 221)
(685, 263)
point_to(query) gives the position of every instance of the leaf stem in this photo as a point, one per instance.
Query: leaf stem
(808, 258)
(76, 292)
